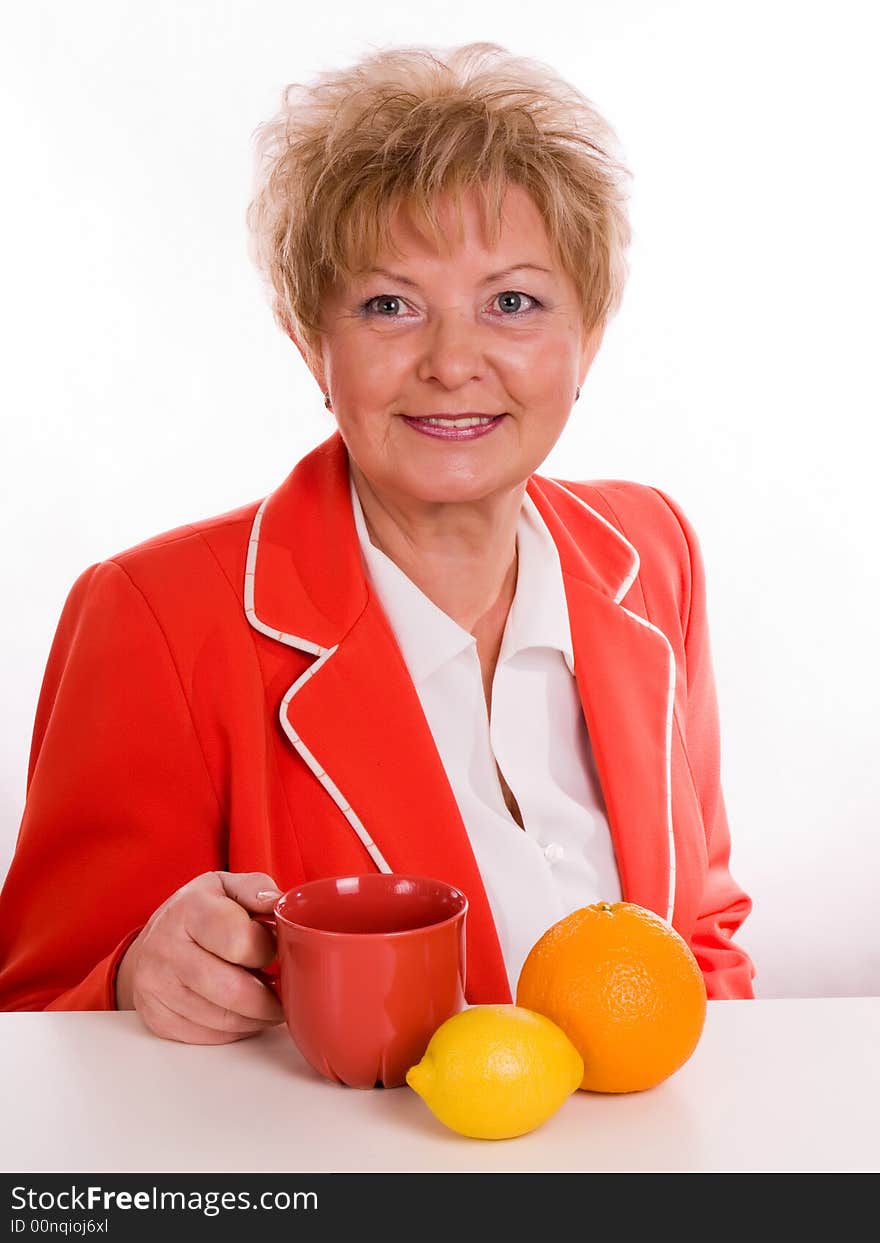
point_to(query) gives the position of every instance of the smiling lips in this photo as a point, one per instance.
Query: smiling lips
(453, 426)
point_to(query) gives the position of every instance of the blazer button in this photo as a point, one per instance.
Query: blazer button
(554, 852)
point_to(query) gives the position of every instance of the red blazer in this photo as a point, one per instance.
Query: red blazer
(229, 695)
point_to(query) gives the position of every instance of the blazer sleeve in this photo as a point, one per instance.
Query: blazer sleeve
(120, 810)
(727, 969)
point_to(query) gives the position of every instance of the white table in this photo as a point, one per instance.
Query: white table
(788, 1085)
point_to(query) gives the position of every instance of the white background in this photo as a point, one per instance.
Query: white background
(144, 383)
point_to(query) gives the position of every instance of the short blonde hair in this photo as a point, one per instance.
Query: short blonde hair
(406, 124)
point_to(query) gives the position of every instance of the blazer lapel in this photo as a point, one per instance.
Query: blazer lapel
(355, 715)
(624, 669)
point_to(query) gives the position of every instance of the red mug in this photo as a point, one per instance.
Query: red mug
(368, 967)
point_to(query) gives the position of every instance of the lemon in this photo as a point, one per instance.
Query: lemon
(493, 1072)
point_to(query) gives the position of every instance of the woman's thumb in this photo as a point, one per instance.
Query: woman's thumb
(255, 891)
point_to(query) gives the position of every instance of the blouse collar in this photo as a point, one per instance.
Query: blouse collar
(428, 638)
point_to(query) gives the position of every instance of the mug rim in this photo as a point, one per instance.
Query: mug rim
(400, 932)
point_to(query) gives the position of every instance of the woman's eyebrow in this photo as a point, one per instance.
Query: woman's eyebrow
(493, 276)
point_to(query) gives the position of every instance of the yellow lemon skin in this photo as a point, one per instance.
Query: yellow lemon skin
(494, 1072)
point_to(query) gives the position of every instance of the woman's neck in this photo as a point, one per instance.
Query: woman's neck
(462, 555)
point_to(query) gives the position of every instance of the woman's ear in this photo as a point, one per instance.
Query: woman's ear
(592, 339)
(311, 359)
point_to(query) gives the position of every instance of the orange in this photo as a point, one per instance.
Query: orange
(624, 987)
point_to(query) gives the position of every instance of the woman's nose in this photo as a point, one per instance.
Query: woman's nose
(452, 350)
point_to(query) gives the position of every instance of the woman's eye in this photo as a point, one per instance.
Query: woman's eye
(384, 304)
(389, 306)
(511, 301)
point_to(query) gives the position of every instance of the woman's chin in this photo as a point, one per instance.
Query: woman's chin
(455, 487)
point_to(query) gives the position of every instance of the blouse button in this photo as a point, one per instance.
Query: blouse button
(553, 852)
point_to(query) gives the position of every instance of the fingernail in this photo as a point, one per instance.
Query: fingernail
(266, 895)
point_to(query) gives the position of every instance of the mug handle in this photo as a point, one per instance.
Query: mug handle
(271, 973)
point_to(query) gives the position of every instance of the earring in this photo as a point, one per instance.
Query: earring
(578, 393)
(327, 402)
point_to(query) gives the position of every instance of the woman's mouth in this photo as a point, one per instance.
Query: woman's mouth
(454, 427)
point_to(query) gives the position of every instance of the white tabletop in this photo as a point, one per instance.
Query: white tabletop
(789, 1085)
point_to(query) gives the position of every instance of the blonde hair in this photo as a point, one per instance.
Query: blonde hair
(407, 124)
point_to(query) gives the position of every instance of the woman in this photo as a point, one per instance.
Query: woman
(417, 654)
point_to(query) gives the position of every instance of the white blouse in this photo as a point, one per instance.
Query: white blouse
(563, 857)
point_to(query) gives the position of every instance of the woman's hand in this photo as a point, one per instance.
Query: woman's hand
(185, 973)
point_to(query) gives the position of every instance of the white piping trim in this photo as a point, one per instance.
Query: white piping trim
(627, 583)
(323, 654)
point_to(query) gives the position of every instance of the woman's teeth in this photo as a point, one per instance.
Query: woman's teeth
(477, 422)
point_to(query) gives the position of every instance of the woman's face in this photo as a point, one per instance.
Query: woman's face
(479, 331)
